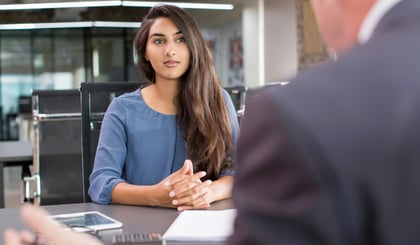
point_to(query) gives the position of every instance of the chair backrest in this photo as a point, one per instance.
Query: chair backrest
(95, 98)
(238, 96)
(57, 157)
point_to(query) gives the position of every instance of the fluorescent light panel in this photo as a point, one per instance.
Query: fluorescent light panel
(84, 4)
(77, 24)
(116, 24)
(180, 4)
(111, 3)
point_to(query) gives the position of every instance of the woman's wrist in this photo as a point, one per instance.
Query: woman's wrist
(221, 188)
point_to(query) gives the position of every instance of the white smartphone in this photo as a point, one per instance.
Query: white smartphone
(87, 220)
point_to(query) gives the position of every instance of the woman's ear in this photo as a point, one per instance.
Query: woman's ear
(146, 58)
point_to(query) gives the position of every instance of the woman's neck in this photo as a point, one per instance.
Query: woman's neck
(167, 90)
(160, 96)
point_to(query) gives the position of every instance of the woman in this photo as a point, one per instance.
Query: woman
(171, 143)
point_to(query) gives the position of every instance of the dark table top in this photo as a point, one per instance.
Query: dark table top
(15, 151)
(135, 219)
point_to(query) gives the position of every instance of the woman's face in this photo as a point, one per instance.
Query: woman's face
(167, 51)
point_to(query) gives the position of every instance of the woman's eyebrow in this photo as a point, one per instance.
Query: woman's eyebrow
(157, 35)
(162, 35)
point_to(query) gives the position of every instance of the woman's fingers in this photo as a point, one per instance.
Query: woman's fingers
(186, 170)
(192, 196)
(187, 191)
(188, 183)
(199, 203)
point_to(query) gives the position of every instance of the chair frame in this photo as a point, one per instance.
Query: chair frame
(238, 91)
(31, 187)
(86, 89)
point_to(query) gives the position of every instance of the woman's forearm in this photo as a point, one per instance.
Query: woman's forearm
(143, 195)
(221, 188)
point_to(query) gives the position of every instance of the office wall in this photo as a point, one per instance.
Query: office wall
(281, 56)
(270, 41)
(253, 36)
(226, 43)
(311, 47)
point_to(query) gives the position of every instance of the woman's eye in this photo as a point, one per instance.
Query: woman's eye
(181, 40)
(158, 41)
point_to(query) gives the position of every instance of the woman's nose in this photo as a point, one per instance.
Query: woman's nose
(170, 51)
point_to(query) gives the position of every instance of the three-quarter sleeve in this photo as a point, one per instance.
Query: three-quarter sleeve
(110, 155)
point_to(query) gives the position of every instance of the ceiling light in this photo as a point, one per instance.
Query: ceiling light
(112, 3)
(84, 4)
(77, 24)
(179, 4)
(116, 24)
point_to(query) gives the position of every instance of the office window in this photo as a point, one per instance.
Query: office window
(42, 62)
(107, 55)
(70, 63)
(15, 77)
(112, 55)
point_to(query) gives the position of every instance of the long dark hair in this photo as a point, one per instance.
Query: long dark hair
(201, 110)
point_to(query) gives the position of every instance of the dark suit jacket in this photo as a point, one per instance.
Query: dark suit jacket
(334, 157)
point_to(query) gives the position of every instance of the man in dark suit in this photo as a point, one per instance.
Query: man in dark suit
(334, 156)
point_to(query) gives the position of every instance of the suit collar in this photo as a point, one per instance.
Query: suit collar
(400, 13)
(375, 14)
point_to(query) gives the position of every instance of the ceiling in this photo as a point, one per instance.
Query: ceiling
(44, 1)
(207, 18)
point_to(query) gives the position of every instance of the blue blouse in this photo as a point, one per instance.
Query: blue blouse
(140, 146)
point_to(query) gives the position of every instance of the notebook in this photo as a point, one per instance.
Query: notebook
(201, 225)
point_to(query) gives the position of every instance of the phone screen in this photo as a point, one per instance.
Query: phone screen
(90, 220)
(84, 220)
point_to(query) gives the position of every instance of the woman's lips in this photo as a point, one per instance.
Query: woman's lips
(171, 63)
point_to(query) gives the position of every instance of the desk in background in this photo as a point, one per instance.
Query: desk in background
(135, 219)
(13, 153)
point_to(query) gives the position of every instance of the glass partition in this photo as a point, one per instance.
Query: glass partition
(58, 59)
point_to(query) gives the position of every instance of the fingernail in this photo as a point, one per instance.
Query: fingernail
(167, 183)
(174, 202)
(179, 209)
(171, 194)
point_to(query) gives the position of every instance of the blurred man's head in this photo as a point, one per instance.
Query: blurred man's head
(339, 20)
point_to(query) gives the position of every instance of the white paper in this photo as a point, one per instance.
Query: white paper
(201, 225)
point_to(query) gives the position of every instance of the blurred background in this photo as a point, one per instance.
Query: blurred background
(254, 42)
(58, 44)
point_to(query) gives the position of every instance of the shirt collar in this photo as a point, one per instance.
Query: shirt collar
(375, 14)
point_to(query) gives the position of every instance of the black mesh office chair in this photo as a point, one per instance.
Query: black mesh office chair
(95, 98)
(57, 157)
(238, 96)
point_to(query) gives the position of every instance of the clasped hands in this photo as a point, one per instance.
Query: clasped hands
(184, 189)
